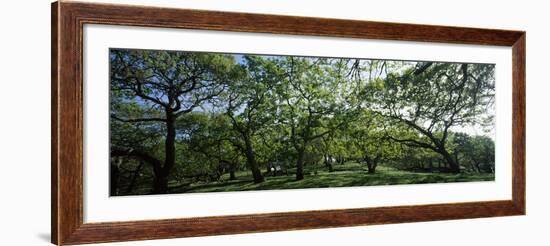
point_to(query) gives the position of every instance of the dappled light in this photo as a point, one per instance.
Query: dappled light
(188, 122)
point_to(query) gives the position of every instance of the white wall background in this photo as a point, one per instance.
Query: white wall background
(25, 121)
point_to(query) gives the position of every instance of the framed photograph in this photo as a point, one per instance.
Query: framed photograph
(177, 123)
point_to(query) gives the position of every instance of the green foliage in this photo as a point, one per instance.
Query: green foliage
(197, 122)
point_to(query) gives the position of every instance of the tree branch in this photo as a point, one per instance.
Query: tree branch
(138, 119)
(118, 151)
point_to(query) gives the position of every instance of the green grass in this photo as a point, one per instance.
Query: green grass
(347, 175)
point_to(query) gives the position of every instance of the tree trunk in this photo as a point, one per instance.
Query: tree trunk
(473, 167)
(477, 166)
(232, 171)
(251, 160)
(114, 177)
(134, 177)
(453, 166)
(341, 160)
(372, 169)
(371, 164)
(161, 176)
(328, 163)
(300, 165)
(457, 161)
(160, 185)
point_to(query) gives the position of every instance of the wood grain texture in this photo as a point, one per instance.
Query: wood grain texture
(518, 123)
(261, 23)
(54, 121)
(67, 122)
(147, 230)
(68, 19)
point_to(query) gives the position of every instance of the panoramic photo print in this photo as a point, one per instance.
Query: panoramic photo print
(193, 122)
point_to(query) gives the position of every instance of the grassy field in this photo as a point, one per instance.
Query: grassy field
(349, 174)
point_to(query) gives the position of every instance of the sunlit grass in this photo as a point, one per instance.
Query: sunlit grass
(347, 175)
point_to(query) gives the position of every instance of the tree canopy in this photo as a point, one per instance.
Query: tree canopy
(181, 119)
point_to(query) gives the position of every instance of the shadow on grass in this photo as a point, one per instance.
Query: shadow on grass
(213, 185)
(343, 176)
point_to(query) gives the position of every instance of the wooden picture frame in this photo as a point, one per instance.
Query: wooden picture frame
(68, 19)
